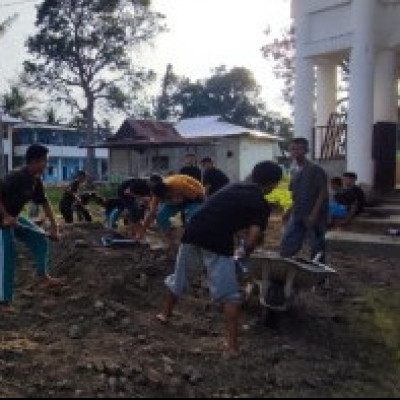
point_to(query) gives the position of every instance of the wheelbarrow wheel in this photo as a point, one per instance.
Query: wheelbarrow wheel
(275, 298)
(269, 317)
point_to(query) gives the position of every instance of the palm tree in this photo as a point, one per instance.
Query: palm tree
(17, 104)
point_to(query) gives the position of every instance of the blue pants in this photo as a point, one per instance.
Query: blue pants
(37, 243)
(294, 235)
(113, 217)
(166, 211)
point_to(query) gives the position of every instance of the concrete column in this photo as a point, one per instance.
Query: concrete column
(326, 97)
(360, 123)
(385, 97)
(304, 85)
(326, 91)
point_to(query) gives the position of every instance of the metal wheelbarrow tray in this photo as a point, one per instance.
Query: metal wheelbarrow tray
(280, 278)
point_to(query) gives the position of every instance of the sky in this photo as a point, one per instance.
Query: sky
(202, 34)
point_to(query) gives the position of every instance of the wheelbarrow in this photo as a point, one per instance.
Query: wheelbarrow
(280, 279)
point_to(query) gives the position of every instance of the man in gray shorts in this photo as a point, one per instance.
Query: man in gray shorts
(209, 240)
(308, 215)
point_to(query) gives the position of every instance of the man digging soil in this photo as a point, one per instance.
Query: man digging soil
(16, 190)
(209, 240)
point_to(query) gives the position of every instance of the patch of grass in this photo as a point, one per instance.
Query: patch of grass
(374, 325)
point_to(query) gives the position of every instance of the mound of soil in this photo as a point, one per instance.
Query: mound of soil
(97, 336)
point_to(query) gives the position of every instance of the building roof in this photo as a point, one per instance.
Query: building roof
(215, 127)
(147, 133)
(6, 119)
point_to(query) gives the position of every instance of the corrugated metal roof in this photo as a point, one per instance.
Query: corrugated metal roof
(215, 127)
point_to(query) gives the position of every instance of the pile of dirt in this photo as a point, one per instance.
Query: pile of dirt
(97, 335)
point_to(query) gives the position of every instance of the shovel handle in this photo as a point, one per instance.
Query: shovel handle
(36, 230)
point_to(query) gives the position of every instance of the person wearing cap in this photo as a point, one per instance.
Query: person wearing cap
(209, 239)
(213, 178)
(308, 216)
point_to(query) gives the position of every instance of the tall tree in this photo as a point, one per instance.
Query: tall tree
(83, 53)
(164, 105)
(233, 94)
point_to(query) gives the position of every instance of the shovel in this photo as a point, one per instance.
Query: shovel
(36, 230)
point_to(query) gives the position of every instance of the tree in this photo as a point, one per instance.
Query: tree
(164, 107)
(4, 25)
(83, 54)
(282, 53)
(232, 94)
(18, 104)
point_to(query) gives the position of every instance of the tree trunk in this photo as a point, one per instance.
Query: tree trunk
(91, 161)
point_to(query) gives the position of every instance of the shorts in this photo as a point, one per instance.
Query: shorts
(221, 273)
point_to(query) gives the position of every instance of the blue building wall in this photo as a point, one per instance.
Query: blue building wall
(59, 168)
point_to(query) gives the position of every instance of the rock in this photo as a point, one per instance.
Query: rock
(99, 305)
(192, 374)
(75, 332)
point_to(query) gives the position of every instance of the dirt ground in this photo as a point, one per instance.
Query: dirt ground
(97, 336)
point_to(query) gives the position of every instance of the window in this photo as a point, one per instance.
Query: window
(50, 170)
(229, 154)
(160, 162)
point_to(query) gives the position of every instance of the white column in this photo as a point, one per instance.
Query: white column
(326, 97)
(304, 85)
(360, 124)
(385, 100)
(326, 91)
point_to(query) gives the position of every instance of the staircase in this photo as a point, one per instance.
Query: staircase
(368, 233)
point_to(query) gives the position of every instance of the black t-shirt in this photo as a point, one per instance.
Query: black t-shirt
(191, 170)
(137, 186)
(235, 207)
(18, 188)
(354, 195)
(215, 178)
(68, 196)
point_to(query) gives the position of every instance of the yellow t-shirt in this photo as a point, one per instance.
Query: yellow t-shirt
(184, 186)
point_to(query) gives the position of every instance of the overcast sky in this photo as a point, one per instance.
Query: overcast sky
(202, 34)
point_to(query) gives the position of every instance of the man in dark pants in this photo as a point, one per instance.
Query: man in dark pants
(213, 178)
(71, 199)
(308, 215)
(16, 190)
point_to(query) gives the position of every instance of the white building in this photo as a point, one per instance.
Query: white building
(368, 33)
(236, 149)
(66, 156)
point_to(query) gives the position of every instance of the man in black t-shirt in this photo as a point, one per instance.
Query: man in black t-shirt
(190, 168)
(16, 190)
(352, 196)
(132, 194)
(209, 239)
(71, 199)
(213, 178)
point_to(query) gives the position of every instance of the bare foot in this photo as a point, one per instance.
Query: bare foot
(47, 282)
(162, 318)
(229, 352)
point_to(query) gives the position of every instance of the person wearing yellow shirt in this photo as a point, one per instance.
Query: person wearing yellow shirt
(174, 194)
